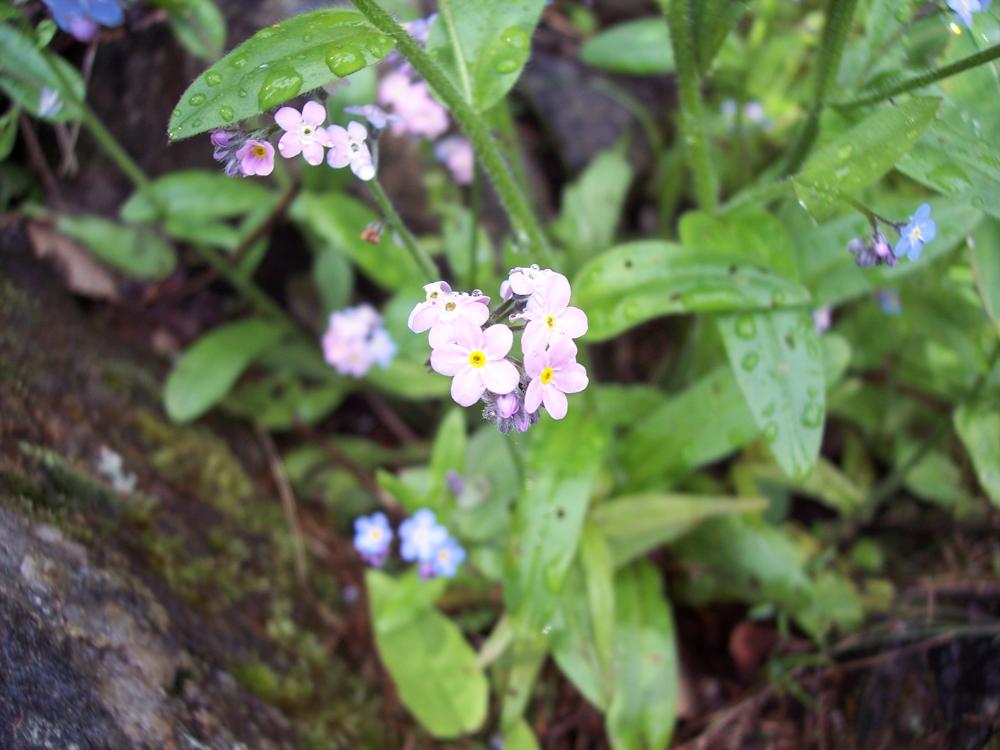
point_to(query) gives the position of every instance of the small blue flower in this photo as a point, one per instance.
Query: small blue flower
(920, 230)
(420, 536)
(372, 537)
(889, 300)
(80, 17)
(447, 558)
(965, 9)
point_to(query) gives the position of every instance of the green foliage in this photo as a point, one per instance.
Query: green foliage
(209, 368)
(198, 25)
(433, 666)
(26, 70)
(483, 45)
(979, 427)
(277, 64)
(137, 250)
(195, 196)
(640, 47)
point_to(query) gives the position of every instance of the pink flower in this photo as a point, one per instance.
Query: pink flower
(554, 373)
(457, 154)
(525, 282)
(441, 311)
(412, 102)
(348, 147)
(550, 318)
(477, 362)
(221, 140)
(355, 340)
(256, 157)
(303, 134)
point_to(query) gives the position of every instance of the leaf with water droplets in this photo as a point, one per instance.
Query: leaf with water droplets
(863, 154)
(631, 283)
(276, 64)
(785, 387)
(493, 42)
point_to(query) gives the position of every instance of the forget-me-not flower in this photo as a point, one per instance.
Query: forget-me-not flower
(447, 557)
(965, 9)
(919, 230)
(420, 536)
(372, 537)
(81, 17)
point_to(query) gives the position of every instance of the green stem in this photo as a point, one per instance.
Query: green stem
(890, 90)
(444, 6)
(475, 207)
(514, 201)
(399, 227)
(692, 115)
(839, 14)
(503, 120)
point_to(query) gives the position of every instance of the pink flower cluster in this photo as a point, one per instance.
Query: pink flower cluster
(355, 340)
(472, 346)
(304, 133)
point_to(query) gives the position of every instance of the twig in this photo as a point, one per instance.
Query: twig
(37, 158)
(68, 138)
(287, 505)
(390, 419)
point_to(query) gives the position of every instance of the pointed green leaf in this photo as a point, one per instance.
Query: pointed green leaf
(197, 196)
(209, 368)
(640, 47)
(26, 70)
(979, 427)
(137, 250)
(198, 25)
(632, 283)
(520, 737)
(276, 64)
(984, 251)
(778, 363)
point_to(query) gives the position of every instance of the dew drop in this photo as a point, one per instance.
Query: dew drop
(379, 45)
(342, 61)
(196, 122)
(242, 92)
(546, 630)
(844, 152)
(240, 61)
(812, 415)
(632, 311)
(213, 78)
(507, 65)
(771, 432)
(515, 37)
(226, 113)
(750, 361)
(197, 100)
(745, 327)
(308, 37)
(280, 85)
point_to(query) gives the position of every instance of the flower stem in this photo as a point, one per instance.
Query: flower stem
(515, 203)
(839, 14)
(890, 90)
(444, 6)
(399, 227)
(692, 114)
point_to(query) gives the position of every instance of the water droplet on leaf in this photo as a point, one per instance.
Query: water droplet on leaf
(197, 100)
(226, 113)
(771, 433)
(750, 361)
(515, 38)
(745, 327)
(812, 415)
(240, 61)
(280, 85)
(342, 61)
(507, 65)
(213, 78)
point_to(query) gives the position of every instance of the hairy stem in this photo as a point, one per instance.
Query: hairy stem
(895, 89)
(692, 115)
(444, 6)
(399, 227)
(514, 201)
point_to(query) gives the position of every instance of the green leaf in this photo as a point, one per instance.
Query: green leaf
(979, 427)
(756, 236)
(196, 196)
(984, 252)
(404, 494)
(640, 47)
(209, 368)
(338, 220)
(520, 737)
(574, 646)
(636, 524)
(198, 25)
(408, 375)
(592, 206)
(486, 47)
(457, 236)
(637, 281)
(713, 20)
(863, 154)
(25, 70)
(277, 64)
(644, 705)
(281, 401)
(334, 279)
(598, 570)
(433, 666)
(137, 250)
(8, 131)
(779, 366)
(448, 454)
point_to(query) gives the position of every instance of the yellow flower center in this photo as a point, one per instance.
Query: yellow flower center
(550, 321)
(433, 295)
(259, 151)
(546, 376)
(477, 359)
(916, 234)
(443, 555)
(375, 534)
(450, 306)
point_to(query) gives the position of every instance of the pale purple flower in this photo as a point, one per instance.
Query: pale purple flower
(412, 102)
(554, 373)
(377, 117)
(355, 340)
(508, 404)
(443, 308)
(966, 9)
(447, 557)
(822, 318)
(348, 147)
(525, 282)
(81, 17)
(372, 538)
(477, 362)
(457, 154)
(919, 230)
(550, 317)
(256, 158)
(49, 102)
(221, 140)
(420, 29)
(420, 536)
(507, 411)
(304, 133)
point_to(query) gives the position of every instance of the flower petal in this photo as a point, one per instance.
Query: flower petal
(467, 387)
(923, 211)
(557, 293)
(498, 340)
(313, 153)
(363, 169)
(500, 376)
(449, 360)
(535, 337)
(535, 361)
(573, 322)
(422, 317)
(562, 352)
(313, 113)
(290, 146)
(571, 379)
(929, 230)
(477, 310)
(357, 131)
(442, 334)
(288, 118)
(337, 157)
(533, 396)
(555, 401)
(468, 335)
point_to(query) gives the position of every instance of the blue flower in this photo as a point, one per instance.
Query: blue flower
(889, 300)
(447, 558)
(80, 17)
(965, 9)
(372, 537)
(420, 536)
(920, 230)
